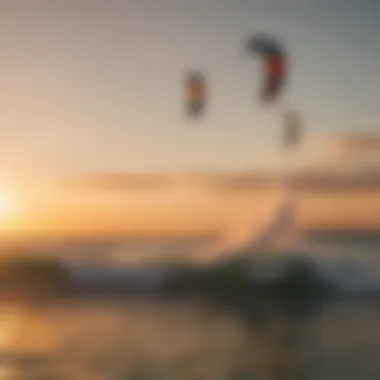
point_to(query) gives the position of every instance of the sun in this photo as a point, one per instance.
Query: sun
(7, 205)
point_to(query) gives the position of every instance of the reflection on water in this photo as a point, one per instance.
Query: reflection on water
(120, 340)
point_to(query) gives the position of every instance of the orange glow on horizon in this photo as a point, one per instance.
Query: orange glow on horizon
(175, 212)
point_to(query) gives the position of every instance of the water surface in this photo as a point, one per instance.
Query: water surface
(119, 339)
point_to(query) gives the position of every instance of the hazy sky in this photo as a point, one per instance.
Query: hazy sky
(96, 85)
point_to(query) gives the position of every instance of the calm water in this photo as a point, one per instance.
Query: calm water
(139, 340)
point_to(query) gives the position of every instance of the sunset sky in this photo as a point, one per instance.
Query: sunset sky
(96, 86)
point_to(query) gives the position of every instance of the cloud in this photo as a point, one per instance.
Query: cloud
(119, 181)
(321, 163)
(352, 145)
(150, 181)
(317, 177)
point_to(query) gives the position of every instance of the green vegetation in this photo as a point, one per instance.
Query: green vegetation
(234, 280)
(33, 278)
(229, 282)
(300, 278)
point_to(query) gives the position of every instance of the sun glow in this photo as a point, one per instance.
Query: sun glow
(7, 205)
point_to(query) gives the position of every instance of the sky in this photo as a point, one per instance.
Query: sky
(94, 86)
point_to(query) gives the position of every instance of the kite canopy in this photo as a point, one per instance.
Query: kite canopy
(195, 88)
(274, 65)
(293, 129)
